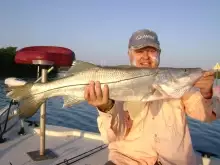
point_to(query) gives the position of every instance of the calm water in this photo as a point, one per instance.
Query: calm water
(205, 137)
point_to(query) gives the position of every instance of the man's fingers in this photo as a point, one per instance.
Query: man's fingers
(208, 73)
(105, 94)
(206, 77)
(98, 91)
(92, 93)
(86, 93)
(204, 82)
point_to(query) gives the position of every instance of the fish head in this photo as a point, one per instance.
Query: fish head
(177, 81)
(186, 75)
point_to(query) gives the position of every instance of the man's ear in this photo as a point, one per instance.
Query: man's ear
(129, 54)
(160, 51)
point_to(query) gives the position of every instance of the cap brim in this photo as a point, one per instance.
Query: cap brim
(156, 46)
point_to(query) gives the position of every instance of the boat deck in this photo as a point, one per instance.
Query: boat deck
(70, 146)
(66, 143)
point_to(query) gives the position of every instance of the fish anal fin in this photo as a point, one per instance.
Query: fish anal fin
(70, 100)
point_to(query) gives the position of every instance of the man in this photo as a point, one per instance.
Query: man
(153, 132)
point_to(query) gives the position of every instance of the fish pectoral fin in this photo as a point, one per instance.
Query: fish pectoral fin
(146, 97)
(159, 90)
(156, 94)
(78, 66)
(70, 100)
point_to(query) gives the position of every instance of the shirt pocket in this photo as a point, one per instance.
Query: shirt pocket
(137, 112)
(173, 116)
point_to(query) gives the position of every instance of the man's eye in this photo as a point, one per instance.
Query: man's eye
(139, 51)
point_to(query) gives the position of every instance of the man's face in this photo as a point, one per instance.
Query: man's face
(148, 57)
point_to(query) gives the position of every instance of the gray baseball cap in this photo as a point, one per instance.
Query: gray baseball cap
(143, 38)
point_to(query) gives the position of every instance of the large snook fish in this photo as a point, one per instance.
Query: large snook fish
(126, 83)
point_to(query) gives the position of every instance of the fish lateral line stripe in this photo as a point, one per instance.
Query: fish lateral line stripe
(113, 82)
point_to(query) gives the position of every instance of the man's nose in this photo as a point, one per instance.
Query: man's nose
(146, 54)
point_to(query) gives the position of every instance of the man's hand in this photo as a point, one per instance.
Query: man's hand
(98, 98)
(205, 84)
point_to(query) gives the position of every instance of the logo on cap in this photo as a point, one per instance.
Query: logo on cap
(139, 37)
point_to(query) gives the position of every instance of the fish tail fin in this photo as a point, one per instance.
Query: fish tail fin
(30, 106)
(27, 108)
(18, 93)
(28, 103)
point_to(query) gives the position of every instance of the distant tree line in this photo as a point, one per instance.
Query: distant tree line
(8, 67)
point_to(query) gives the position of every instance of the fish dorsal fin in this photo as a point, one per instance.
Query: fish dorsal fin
(125, 66)
(119, 67)
(78, 66)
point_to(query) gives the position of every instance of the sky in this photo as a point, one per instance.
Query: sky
(98, 31)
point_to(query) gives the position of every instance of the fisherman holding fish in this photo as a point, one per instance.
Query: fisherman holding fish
(142, 107)
(154, 132)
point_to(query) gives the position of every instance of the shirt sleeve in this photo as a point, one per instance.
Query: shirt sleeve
(110, 124)
(197, 107)
(216, 106)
